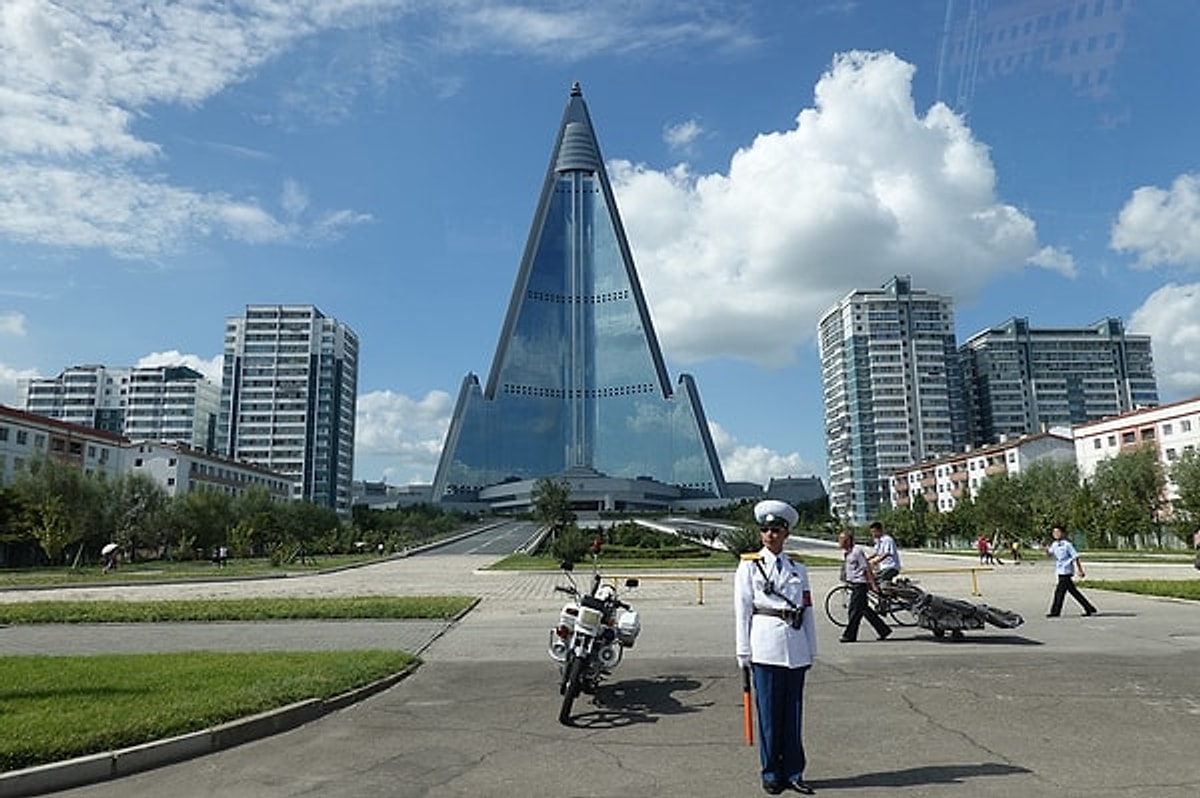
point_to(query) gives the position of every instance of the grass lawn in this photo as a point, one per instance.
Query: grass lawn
(1167, 588)
(56, 708)
(174, 570)
(251, 609)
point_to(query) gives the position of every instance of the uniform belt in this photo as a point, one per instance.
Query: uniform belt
(785, 613)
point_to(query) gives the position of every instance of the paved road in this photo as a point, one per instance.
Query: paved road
(1103, 706)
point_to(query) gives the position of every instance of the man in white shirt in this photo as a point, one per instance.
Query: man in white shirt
(776, 640)
(886, 556)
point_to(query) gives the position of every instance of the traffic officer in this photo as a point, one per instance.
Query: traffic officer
(777, 640)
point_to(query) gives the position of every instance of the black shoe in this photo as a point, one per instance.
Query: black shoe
(885, 634)
(772, 787)
(847, 640)
(1092, 611)
(1052, 615)
(801, 786)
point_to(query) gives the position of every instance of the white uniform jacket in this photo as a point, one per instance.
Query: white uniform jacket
(767, 639)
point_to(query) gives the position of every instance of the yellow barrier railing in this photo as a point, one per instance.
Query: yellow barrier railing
(699, 580)
(974, 570)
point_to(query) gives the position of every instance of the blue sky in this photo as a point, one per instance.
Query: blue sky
(164, 165)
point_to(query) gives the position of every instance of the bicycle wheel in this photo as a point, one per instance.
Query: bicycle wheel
(837, 605)
(901, 613)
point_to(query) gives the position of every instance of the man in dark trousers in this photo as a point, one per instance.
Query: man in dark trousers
(861, 578)
(776, 639)
(1066, 565)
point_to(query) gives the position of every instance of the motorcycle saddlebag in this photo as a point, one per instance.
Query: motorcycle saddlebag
(628, 627)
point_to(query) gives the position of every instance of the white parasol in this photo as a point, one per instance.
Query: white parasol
(109, 548)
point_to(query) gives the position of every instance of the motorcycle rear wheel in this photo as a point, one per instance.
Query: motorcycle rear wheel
(571, 689)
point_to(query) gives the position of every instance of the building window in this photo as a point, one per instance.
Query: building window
(1096, 443)
(1128, 438)
(1184, 426)
(22, 437)
(137, 463)
(1166, 429)
(3, 433)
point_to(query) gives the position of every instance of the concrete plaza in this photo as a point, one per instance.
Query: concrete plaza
(1100, 706)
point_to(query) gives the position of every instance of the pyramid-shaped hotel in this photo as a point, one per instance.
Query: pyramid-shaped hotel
(578, 388)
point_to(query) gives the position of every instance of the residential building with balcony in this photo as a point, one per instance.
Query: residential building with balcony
(944, 481)
(288, 394)
(1019, 379)
(890, 391)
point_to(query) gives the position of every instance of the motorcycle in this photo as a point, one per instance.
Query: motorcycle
(594, 628)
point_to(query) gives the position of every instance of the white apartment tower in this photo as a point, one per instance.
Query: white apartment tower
(890, 391)
(162, 403)
(288, 395)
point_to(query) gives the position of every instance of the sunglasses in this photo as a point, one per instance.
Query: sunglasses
(773, 528)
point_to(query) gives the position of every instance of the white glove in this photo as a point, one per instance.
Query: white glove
(743, 661)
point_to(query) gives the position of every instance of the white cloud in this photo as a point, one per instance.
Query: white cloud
(12, 322)
(402, 435)
(861, 189)
(73, 172)
(578, 30)
(757, 464)
(680, 137)
(1055, 259)
(210, 368)
(1161, 227)
(1171, 316)
(9, 377)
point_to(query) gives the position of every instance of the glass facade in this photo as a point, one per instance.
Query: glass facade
(578, 381)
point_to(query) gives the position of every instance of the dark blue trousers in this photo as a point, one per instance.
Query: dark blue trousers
(779, 695)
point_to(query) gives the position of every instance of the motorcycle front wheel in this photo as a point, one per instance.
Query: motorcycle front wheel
(571, 690)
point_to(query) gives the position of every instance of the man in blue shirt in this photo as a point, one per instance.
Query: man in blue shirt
(1066, 565)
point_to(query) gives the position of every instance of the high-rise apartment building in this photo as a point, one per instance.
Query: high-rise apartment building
(161, 403)
(890, 390)
(1019, 379)
(578, 384)
(288, 393)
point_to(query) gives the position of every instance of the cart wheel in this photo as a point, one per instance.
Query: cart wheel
(939, 633)
(957, 634)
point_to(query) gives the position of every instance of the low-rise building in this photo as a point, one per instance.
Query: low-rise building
(181, 469)
(177, 467)
(942, 482)
(1171, 428)
(24, 436)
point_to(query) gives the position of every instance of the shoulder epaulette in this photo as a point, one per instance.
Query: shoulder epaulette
(752, 555)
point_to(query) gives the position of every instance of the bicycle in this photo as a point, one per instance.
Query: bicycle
(894, 600)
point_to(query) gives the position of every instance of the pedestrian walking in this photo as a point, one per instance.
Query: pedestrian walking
(860, 577)
(985, 550)
(1066, 565)
(776, 640)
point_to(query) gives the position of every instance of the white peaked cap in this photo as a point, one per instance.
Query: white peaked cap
(773, 509)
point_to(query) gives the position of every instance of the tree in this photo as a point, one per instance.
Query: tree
(199, 520)
(1185, 473)
(552, 503)
(137, 504)
(1050, 486)
(61, 506)
(1131, 489)
(1002, 507)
